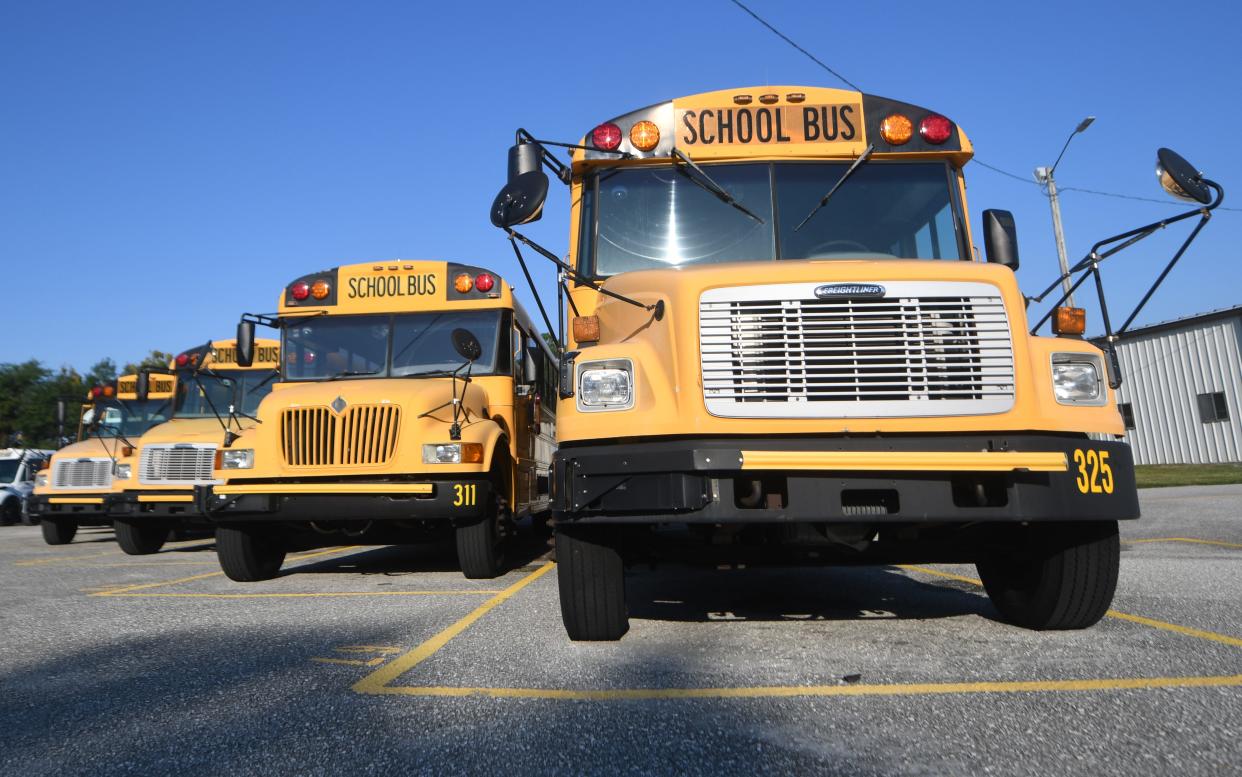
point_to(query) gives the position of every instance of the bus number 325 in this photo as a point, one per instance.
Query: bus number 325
(1095, 476)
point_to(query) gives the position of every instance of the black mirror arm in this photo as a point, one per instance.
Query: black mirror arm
(561, 170)
(538, 300)
(657, 308)
(262, 319)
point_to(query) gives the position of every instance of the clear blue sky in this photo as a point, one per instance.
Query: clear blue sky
(166, 166)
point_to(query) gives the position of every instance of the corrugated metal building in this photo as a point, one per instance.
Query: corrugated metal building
(1181, 396)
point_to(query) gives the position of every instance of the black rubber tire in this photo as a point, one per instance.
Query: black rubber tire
(1056, 577)
(139, 539)
(591, 577)
(11, 511)
(481, 544)
(59, 531)
(249, 554)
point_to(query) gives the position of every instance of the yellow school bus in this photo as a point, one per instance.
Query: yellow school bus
(783, 348)
(416, 398)
(81, 480)
(215, 398)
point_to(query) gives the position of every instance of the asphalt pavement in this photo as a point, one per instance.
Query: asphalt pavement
(365, 660)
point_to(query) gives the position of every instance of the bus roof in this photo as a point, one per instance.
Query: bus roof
(776, 122)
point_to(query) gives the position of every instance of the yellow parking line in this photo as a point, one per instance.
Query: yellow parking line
(386, 649)
(57, 559)
(1152, 622)
(147, 586)
(378, 681)
(1188, 539)
(789, 691)
(318, 594)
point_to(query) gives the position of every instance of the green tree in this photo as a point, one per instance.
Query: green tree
(103, 371)
(21, 396)
(156, 360)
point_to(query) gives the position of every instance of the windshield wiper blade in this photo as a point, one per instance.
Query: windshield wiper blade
(711, 186)
(350, 374)
(863, 157)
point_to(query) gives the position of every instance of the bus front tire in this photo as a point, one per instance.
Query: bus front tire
(139, 539)
(591, 577)
(1056, 577)
(59, 531)
(249, 554)
(480, 545)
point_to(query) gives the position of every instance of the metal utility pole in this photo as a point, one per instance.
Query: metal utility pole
(1044, 175)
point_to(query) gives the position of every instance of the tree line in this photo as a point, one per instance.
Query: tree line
(30, 390)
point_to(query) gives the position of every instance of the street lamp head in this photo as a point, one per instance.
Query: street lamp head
(1082, 125)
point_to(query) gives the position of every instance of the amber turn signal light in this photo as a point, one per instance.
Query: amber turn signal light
(586, 329)
(463, 283)
(1069, 321)
(645, 135)
(127, 450)
(896, 129)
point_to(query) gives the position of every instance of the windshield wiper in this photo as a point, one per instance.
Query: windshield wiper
(430, 374)
(863, 157)
(711, 186)
(350, 374)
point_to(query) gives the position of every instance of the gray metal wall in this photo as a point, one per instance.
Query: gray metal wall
(1164, 372)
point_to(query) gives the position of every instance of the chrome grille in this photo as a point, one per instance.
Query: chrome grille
(82, 473)
(925, 349)
(362, 435)
(179, 464)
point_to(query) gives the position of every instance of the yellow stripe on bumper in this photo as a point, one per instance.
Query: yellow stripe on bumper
(61, 500)
(166, 498)
(913, 461)
(327, 488)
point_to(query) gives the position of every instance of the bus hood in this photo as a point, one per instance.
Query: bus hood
(192, 430)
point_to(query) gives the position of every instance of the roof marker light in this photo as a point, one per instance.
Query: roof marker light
(484, 282)
(606, 136)
(183, 359)
(935, 129)
(896, 129)
(795, 97)
(320, 289)
(768, 99)
(300, 290)
(742, 99)
(463, 283)
(645, 135)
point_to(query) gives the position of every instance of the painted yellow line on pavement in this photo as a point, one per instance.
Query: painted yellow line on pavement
(147, 586)
(294, 595)
(1152, 622)
(34, 562)
(386, 649)
(790, 691)
(350, 661)
(378, 681)
(1188, 539)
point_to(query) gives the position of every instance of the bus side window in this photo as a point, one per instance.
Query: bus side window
(519, 355)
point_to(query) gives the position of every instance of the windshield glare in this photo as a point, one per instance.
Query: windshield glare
(243, 390)
(659, 217)
(129, 418)
(419, 343)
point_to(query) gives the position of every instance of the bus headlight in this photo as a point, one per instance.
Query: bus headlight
(41, 480)
(123, 471)
(238, 458)
(453, 453)
(606, 385)
(1076, 379)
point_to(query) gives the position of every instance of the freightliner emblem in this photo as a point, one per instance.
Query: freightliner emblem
(839, 290)
(338, 404)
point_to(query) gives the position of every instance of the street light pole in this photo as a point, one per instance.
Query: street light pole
(1045, 175)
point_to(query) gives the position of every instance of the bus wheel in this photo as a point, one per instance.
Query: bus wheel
(138, 539)
(248, 554)
(59, 531)
(481, 544)
(1060, 576)
(591, 577)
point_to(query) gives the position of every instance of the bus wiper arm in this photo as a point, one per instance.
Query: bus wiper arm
(350, 374)
(863, 157)
(711, 186)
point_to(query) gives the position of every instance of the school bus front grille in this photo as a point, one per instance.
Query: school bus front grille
(924, 349)
(82, 473)
(362, 435)
(176, 464)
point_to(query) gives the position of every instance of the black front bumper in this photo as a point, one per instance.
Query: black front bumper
(167, 506)
(699, 481)
(461, 500)
(87, 514)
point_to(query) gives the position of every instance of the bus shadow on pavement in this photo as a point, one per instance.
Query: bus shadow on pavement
(689, 594)
(416, 558)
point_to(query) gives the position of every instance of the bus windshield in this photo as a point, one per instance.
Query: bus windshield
(213, 392)
(405, 345)
(128, 418)
(647, 218)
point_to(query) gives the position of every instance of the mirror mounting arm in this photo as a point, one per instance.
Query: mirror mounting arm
(561, 170)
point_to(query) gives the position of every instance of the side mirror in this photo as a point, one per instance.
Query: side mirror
(466, 344)
(142, 388)
(1180, 179)
(1000, 238)
(521, 200)
(245, 343)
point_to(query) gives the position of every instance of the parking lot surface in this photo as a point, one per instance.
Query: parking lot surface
(386, 660)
